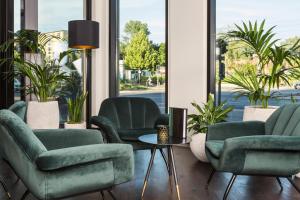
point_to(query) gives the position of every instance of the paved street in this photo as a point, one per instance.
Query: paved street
(237, 114)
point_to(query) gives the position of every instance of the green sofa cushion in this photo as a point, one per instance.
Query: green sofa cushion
(215, 147)
(134, 134)
(21, 134)
(62, 158)
(64, 138)
(130, 112)
(19, 108)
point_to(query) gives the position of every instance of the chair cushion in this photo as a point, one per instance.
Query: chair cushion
(215, 147)
(134, 134)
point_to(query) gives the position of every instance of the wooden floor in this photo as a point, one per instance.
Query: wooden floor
(192, 177)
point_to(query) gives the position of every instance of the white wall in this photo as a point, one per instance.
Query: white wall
(187, 52)
(100, 70)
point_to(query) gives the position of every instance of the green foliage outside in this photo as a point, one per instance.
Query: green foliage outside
(138, 51)
(133, 27)
(207, 115)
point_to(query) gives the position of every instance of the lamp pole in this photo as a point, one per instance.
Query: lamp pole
(84, 80)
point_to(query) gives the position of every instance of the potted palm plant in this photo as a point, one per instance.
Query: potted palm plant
(273, 65)
(198, 123)
(44, 76)
(75, 112)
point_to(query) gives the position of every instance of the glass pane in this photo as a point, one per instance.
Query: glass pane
(53, 18)
(142, 69)
(17, 27)
(239, 58)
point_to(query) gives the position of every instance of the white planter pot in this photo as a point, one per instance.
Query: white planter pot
(256, 113)
(198, 146)
(43, 115)
(75, 126)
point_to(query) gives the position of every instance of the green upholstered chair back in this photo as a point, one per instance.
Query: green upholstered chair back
(284, 121)
(130, 112)
(19, 108)
(14, 133)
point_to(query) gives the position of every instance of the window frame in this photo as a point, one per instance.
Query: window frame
(211, 47)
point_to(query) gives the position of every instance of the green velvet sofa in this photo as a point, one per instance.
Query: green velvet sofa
(124, 119)
(270, 148)
(55, 164)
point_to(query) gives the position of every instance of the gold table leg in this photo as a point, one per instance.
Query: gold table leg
(174, 172)
(148, 171)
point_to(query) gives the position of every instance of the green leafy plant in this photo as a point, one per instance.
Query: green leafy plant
(275, 64)
(207, 115)
(75, 108)
(45, 79)
(45, 75)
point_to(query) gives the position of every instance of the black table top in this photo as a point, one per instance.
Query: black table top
(152, 139)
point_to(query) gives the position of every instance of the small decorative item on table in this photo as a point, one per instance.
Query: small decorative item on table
(162, 133)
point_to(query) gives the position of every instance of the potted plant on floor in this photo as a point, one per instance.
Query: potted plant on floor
(198, 123)
(75, 112)
(273, 65)
(44, 77)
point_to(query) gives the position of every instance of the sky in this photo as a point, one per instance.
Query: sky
(283, 13)
(53, 17)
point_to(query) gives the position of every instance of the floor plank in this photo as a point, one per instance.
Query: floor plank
(192, 178)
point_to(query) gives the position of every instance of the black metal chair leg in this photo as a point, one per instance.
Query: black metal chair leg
(102, 195)
(229, 186)
(293, 184)
(165, 158)
(212, 173)
(111, 194)
(25, 195)
(279, 182)
(5, 189)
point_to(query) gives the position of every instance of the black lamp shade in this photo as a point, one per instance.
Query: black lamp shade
(83, 34)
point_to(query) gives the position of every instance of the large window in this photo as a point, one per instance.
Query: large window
(53, 18)
(239, 59)
(141, 45)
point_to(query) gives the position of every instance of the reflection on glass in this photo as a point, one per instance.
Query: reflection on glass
(142, 60)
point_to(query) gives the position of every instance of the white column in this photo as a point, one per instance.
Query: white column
(187, 52)
(100, 70)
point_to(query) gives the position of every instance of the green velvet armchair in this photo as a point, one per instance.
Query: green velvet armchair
(270, 148)
(124, 119)
(55, 164)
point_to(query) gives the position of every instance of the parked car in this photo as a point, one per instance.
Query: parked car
(297, 85)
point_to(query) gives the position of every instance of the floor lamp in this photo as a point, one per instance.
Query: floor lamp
(83, 34)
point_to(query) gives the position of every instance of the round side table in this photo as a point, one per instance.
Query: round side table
(152, 139)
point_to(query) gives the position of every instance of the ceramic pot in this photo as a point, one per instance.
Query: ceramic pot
(43, 115)
(257, 113)
(75, 126)
(198, 146)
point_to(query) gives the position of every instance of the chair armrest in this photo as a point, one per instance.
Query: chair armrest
(64, 138)
(107, 127)
(263, 143)
(235, 150)
(222, 131)
(163, 119)
(67, 157)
